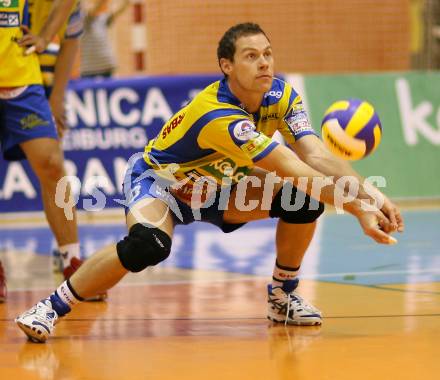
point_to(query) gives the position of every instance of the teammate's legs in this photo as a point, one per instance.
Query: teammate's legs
(29, 132)
(46, 159)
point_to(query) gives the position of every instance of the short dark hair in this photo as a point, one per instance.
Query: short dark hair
(226, 46)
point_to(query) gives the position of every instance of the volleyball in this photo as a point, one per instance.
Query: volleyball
(351, 129)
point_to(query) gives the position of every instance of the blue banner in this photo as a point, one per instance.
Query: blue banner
(110, 120)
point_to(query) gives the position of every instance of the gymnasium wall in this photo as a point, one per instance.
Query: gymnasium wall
(312, 36)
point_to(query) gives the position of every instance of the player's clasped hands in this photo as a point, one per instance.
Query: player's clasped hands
(392, 212)
(379, 224)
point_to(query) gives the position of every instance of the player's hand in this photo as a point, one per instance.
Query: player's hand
(31, 42)
(392, 212)
(59, 115)
(372, 222)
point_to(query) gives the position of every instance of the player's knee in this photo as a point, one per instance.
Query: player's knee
(143, 247)
(284, 206)
(50, 166)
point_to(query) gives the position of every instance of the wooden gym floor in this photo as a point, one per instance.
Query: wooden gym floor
(202, 314)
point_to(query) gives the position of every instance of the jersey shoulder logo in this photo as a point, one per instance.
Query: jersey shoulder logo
(244, 130)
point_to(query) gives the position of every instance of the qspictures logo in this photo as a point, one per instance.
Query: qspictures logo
(32, 121)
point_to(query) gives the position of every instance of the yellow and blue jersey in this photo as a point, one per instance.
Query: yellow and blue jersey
(73, 28)
(16, 69)
(214, 137)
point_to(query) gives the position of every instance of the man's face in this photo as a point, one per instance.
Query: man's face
(252, 68)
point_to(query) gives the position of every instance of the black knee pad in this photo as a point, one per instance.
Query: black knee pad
(298, 208)
(144, 246)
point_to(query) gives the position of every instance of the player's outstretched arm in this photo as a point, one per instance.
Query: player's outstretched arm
(287, 165)
(313, 152)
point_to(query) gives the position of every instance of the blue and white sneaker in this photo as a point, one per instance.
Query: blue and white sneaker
(289, 308)
(38, 322)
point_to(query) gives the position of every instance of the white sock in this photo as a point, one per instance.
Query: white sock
(282, 273)
(67, 295)
(68, 251)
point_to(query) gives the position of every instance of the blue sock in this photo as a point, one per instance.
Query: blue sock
(64, 298)
(58, 305)
(290, 285)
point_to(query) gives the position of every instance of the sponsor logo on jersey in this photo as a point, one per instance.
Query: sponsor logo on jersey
(297, 121)
(245, 130)
(276, 94)
(9, 19)
(168, 128)
(9, 3)
(255, 146)
(270, 116)
(297, 107)
(250, 147)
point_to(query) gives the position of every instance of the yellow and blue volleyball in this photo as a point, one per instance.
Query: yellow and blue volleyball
(351, 129)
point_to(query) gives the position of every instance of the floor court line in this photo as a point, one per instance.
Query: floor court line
(72, 320)
(253, 278)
